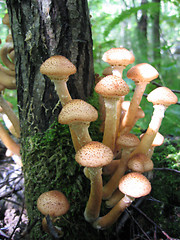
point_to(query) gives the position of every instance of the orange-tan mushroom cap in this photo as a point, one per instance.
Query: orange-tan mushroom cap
(57, 67)
(112, 86)
(118, 56)
(94, 154)
(162, 96)
(142, 72)
(77, 110)
(158, 140)
(140, 163)
(135, 185)
(128, 140)
(53, 203)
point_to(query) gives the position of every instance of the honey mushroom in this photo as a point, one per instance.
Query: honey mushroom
(78, 114)
(58, 68)
(118, 58)
(133, 185)
(161, 97)
(141, 74)
(53, 204)
(94, 155)
(112, 88)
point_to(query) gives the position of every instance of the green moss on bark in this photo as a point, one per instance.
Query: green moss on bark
(48, 163)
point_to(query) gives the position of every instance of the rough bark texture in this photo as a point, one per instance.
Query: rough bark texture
(42, 28)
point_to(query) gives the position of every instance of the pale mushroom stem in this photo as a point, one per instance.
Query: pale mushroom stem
(117, 70)
(112, 184)
(93, 206)
(81, 134)
(152, 130)
(114, 199)
(128, 120)
(111, 122)
(11, 115)
(111, 217)
(8, 141)
(5, 50)
(62, 91)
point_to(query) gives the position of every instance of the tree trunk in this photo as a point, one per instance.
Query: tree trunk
(142, 32)
(40, 29)
(156, 35)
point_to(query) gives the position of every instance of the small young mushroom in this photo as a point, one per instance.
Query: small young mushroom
(128, 143)
(58, 68)
(141, 74)
(140, 163)
(133, 185)
(78, 114)
(53, 203)
(94, 155)
(161, 97)
(118, 58)
(111, 88)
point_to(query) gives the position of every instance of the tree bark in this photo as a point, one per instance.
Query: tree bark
(42, 28)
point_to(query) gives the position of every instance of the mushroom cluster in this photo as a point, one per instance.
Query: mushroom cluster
(7, 81)
(121, 155)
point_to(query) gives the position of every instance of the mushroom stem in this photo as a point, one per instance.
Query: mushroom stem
(111, 217)
(8, 141)
(62, 91)
(128, 120)
(81, 134)
(112, 184)
(93, 206)
(152, 130)
(117, 70)
(5, 50)
(114, 199)
(6, 80)
(11, 115)
(111, 122)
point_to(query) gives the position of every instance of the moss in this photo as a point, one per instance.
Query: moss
(48, 162)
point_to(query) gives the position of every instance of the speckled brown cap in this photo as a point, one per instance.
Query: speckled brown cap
(112, 87)
(142, 72)
(118, 57)
(135, 185)
(163, 96)
(128, 140)
(77, 110)
(53, 203)
(57, 67)
(140, 163)
(94, 154)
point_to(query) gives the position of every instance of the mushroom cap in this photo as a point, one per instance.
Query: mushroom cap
(94, 154)
(163, 96)
(107, 71)
(118, 57)
(77, 110)
(5, 19)
(53, 203)
(142, 72)
(112, 86)
(57, 67)
(140, 163)
(128, 140)
(135, 185)
(158, 140)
